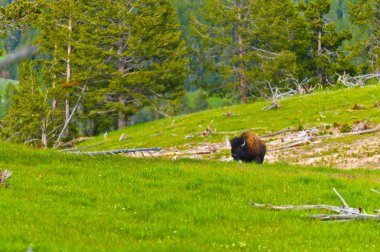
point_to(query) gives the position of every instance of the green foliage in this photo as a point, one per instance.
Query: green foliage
(122, 56)
(246, 43)
(327, 57)
(194, 101)
(7, 89)
(366, 15)
(23, 121)
(58, 202)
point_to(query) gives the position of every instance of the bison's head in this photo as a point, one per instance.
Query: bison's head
(238, 148)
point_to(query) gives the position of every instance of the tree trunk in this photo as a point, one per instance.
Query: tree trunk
(68, 74)
(43, 133)
(121, 67)
(319, 69)
(121, 120)
(243, 87)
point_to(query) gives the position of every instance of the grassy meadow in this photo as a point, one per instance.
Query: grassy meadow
(325, 107)
(64, 202)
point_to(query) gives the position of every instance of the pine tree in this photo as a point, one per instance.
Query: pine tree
(26, 121)
(251, 43)
(366, 13)
(325, 52)
(144, 55)
(66, 59)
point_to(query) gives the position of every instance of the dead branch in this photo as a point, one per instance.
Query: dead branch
(336, 209)
(93, 153)
(355, 81)
(344, 212)
(4, 176)
(373, 190)
(276, 95)
(72, 142)
(377, 128)
(232, 132)
(310, 136)
(69, 119)
(82, 148)
(344, 217)
(207, 131)
(301, 87)
(278, 132)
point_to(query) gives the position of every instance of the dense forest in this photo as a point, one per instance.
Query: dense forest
(104, 65)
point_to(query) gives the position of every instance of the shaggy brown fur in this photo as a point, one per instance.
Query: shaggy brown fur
(248, 147)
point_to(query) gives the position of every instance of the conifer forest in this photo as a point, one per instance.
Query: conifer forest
(101, 65)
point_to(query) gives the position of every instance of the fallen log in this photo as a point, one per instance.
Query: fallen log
(94, 153)
(345, 216)
(337, 209)
(362, 132)
(4, 176)
(82, 148)
(344, 212)
(308, 139)
(278, 132)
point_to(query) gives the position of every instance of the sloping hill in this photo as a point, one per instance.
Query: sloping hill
(319, 114)
(61, 202)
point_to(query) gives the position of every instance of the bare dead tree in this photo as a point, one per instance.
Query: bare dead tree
(356, 81)
(276, 95)
(300, 87)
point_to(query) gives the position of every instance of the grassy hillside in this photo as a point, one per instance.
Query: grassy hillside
(327, 108)
(61, 202)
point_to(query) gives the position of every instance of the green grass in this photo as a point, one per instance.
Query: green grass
(327, 107)
(63, 202)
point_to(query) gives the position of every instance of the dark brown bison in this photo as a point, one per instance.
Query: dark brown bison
(248, 148)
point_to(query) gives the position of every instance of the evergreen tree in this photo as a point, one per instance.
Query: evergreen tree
(9, 92)
(142, 48)
(326, 56)
(26, 121)
(252, 43)
(67, 59)
(366, 13)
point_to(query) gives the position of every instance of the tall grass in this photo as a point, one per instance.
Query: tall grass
(62, 202)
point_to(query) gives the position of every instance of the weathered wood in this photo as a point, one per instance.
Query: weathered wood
(362, 132)
(308, 139)
(93, 153)
(233, 132)
(82, 148)
(343, 213)
(4, 176)
(72, 142)
(69, 118)
(336, 209)
(278, 132)
(373, 190)
(345, 216)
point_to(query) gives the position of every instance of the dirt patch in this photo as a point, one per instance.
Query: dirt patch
(363, 152)
(346, 152)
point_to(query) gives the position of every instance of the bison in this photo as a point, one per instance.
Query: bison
(248, 147)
